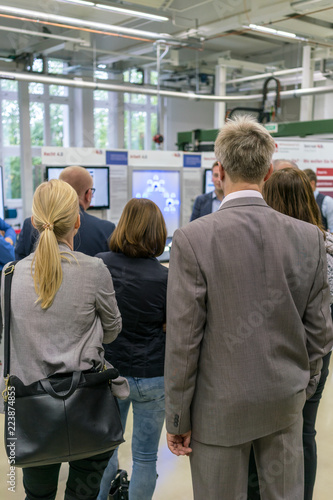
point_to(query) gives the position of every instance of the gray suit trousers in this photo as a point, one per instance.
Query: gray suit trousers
(221, 473)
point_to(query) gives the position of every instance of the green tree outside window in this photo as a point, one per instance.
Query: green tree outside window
(57, 112)
(9, 85)
(37, 123)
(138, 122)
(101, 119)
(10, 122)
(12, 181)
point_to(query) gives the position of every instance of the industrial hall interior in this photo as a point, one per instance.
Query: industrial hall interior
(135, 92)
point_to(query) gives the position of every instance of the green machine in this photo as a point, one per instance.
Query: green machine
(203, 140)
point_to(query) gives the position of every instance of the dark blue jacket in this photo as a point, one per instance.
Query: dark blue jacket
(140, 285)
(91, 238)
(6, 248)
(203, 205)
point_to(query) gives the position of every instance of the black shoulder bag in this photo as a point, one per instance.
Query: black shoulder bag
(57, 419)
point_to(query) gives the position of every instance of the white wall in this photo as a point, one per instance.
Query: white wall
(184, 115)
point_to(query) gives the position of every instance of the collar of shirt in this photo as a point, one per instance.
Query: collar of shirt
(315, 193)
(245, 193)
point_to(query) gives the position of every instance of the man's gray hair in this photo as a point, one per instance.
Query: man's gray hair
(245, 149)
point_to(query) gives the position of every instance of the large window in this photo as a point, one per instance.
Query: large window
(10, 138)
(49, 124)
(105, 114)
(49, 108)
(140, 117)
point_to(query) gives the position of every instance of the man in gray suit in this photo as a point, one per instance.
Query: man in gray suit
(248, 323)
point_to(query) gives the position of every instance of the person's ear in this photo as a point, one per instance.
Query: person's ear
(77, 222)
(221, 171)
(88, 196)
(269, 173)
(33, 222)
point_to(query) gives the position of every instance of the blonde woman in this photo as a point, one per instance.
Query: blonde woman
(63, 307)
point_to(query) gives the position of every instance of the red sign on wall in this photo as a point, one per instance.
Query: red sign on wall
(325, 171)
(324, 183)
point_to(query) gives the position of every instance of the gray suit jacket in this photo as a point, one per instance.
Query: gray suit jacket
(248, 318)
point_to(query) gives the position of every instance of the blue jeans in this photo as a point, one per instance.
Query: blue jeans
(147, 398)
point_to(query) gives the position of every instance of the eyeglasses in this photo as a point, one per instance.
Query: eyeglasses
(92, 191)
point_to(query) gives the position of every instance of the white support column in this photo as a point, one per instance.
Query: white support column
(116, 107)
(306, 111)
(25, 149)
(82, 119)
(121, 120)
(220, 89)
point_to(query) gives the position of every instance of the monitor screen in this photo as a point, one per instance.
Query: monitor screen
(2, 201)
(163, 188)
(208, 182)
(101, 180)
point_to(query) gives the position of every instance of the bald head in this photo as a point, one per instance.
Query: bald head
(280, 164)
(80, 179)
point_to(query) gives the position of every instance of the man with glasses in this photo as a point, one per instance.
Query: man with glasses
(93, 234)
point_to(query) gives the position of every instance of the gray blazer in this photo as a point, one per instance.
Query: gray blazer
(248, 319)
(68, 335)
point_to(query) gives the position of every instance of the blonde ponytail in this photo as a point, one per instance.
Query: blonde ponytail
(55, 209)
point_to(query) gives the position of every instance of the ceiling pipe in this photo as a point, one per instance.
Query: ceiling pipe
(80, 41)
(265, 75)
(79, 83)
(83, 23)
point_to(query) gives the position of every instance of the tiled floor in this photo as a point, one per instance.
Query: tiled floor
(174, 480)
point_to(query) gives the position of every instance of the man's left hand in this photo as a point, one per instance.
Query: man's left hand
(179, 444)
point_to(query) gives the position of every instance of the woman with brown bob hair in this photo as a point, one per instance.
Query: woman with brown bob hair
(141, 231)
(140, 283)
(289, 191)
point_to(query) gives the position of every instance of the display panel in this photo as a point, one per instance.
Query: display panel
(2, 202)
(208, 181)
(163, 188)
(100, 175)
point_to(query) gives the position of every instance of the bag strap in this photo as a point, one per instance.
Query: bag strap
(8, 272)
(61, 395)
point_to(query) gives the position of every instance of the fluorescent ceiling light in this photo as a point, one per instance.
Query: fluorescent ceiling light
(303, 3)
(80, 2)
(128, 12)
(271, 31)
(74, 21)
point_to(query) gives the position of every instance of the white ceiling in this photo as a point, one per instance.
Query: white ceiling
(197, 35)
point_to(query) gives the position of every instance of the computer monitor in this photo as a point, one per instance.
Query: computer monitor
(101, 182)
(208, 185)
(163, 188)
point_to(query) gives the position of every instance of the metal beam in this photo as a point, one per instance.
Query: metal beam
(246, 65)
(45, 45)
